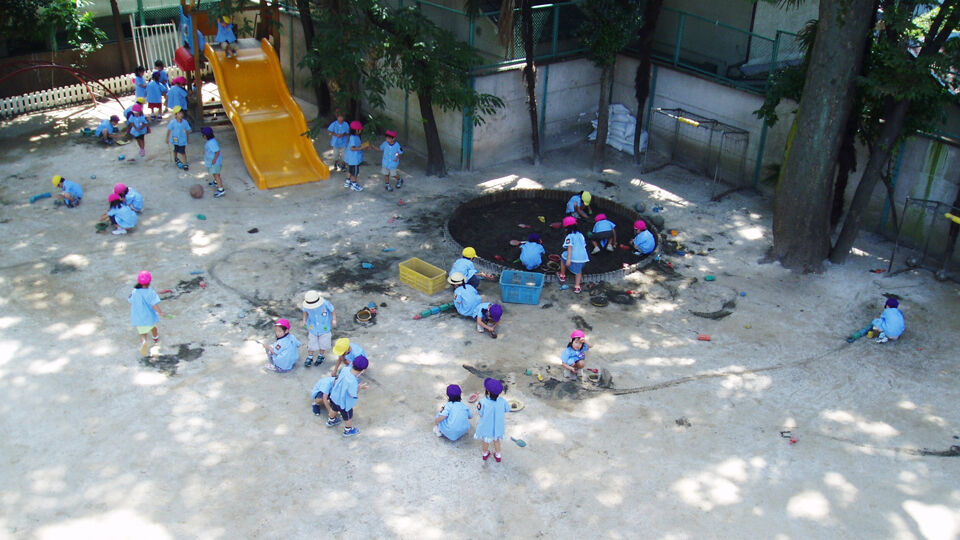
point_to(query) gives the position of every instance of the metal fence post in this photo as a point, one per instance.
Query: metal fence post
(676, 53)
(556, 30)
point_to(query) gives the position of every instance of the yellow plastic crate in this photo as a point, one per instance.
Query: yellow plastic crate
(423, 276)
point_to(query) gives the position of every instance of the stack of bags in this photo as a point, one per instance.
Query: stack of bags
(620, 130)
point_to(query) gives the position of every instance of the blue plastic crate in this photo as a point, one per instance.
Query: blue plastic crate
(521, 287)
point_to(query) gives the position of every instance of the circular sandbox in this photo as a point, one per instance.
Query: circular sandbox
(490, 222)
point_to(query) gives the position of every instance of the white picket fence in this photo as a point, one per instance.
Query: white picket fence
(66, 96)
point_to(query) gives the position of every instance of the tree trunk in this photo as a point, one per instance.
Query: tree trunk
(530, 75)
(846, 164)
(435, 164)
(651, 14)
(895, 112)
(603, 116)
(118, 26)
(319, 84)
(801, 219)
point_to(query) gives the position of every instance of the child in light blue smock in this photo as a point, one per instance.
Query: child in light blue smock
(643, 243)
(155, 95)
(177, 95)
(453, 420)
(145, 310)
(226, 36)
(465, 297)
(140, 83)
(321, 395)
(339, 131)
(186, 29)
(391, 160)
(283, 355)
(179, 137)
(493, 411)
(891, 324)
(71, 193)
(122, 216)
(129, 197)
(138, 126)
(465, 266)
(354, 156)
(579, 205)
(319, 318)
(214, 160)
(604, 234)
(128, 112)
(574, 357)
(347, 353)
(345, 394)
(107, 130)
(532, 252)
(574, 256)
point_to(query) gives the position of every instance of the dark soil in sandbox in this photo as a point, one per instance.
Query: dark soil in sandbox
(489, 230)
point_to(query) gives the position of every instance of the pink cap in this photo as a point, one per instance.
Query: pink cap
(577, 334)
(119, 188)
(569, 220)
(356, 125)
(113, 197)
(391, 133)
(284, 323)
(137, 107)
(144, 278)
(600, 217)
(640, 225)
(180, 80)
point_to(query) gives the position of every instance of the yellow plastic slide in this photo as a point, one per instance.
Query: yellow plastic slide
(269, 123)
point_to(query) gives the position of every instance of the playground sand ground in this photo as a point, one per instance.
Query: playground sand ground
(197, 442)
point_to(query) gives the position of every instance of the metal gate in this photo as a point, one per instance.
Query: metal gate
(155, 42)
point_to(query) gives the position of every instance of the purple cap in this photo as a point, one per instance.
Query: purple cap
(493, 386)
(207, 132)
(892, 302)
(453, 390)
(496, 311)
(360, 363)
(114, 118)
(534, 237)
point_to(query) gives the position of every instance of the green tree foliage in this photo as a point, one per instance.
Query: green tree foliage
(39, 21)
(607, 28)
(368, 47)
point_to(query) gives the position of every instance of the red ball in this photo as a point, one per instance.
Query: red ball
(196, 191)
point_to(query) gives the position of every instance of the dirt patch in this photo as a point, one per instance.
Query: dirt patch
(63, 268)
(168, 363)
(501, 226)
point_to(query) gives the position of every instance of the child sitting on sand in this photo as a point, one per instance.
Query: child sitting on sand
(120, 215)
(891, 324)
(532, 252)
(643, 243)
(453, 420)
(573, 358)
(282, 356)
(72, 192)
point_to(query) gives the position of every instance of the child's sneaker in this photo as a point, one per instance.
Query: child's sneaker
(319, 360)
(333, 421)
(212, 183)
(609, 246)
(479, 329)
(436, 431)
(351, 431)
(346, 183)
(389, 187)
(316, 409)
(143, 152)
(308, 362)
(497, 457)
(596, 249)
(485, 456)
(882, 338)
(179, 164)
(355, 186)
(119, 231)
(399, 183)
(220, 193)
(186, 167)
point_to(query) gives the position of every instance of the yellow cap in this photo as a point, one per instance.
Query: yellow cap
(226, 19)
(177, 109)
(341, 346)
(587, 197)
(141, 100)
(469, 253)
(57, 179)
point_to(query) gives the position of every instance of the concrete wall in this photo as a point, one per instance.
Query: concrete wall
(707, 98)
(298, 79)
